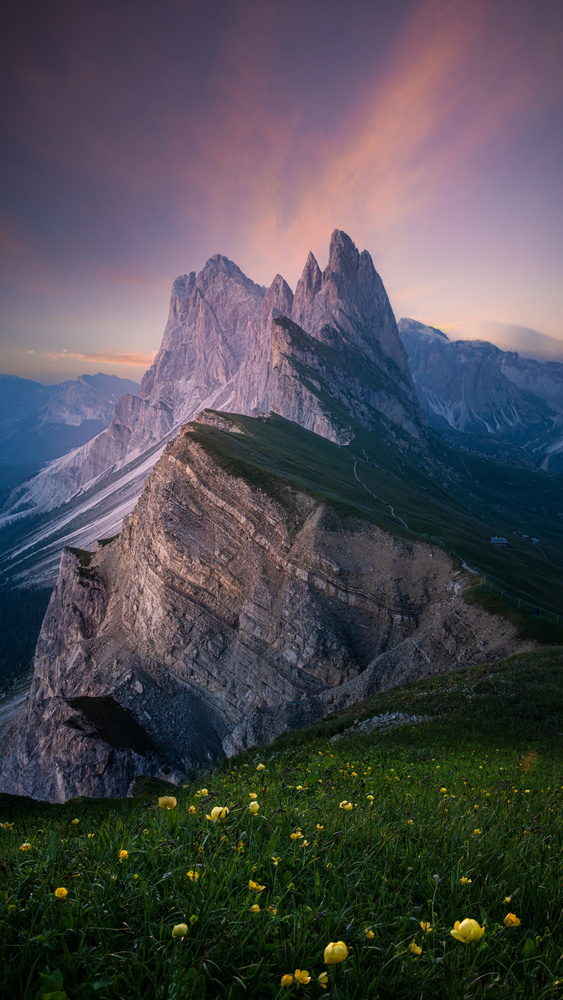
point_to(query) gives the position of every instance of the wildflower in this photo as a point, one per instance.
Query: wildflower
(287, 980)
(167, 802)
(302, 977)
(426, 927)
(507, 899)
(61, 892)
(296, 836)
(193, 875)
(370, 934)
(252, 795)
(218, 813)
(476, 832)
(415, 948)
(276, 861)
(261, 767)
(255, 908)
(511, 920)
(26, 846)
(370, 798)
(254, 807)
(346, 805)
(254, 886)
(320, 826)
(335, 952)
(144, 831)
(179, 930)
(191, 810)
(465, 881)
(305, 843)
(443, 790)
(323, 980)
(135, 877)
(273, 910)
(202, 791)
(90, 836)
(75, 822)
(467, 930)
(298, 788)
(123, 855)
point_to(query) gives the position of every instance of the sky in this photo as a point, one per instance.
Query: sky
(139, 138)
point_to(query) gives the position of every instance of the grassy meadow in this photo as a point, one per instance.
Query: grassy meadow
(380, 840)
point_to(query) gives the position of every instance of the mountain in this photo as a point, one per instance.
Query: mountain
(233, 345)
(487, 399)
(38, 423)
(238, 602)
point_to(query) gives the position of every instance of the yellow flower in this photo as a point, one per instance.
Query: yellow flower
(135, 877)
(167, 802)
(61, 892)
(90, 835)
(426, 927)
(276, 861)
(416, 950)
(297, 835)
(335, 952)
(193, 919)
(320, 826)
(75, 822)
(202, 791)
(254, 886)
(191, 810)
(443, 790)
(123, 855)
(255, 908)
(193, 875)
(26, 846)
(370, 798)
(465, 881)
(261, 767)
(302, 977)
(346, 805)
(218, 813)
(507, 899)
(287, 980)
(467, 930)
(323, 980)
(179, 930)
(476, 832)
(252, 795)
(273, 910)
(298, 788)
(254, 807)
(511, 920)
(370, 934)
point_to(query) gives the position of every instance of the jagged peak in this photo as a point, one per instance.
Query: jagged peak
(406, 325)
(343, 255)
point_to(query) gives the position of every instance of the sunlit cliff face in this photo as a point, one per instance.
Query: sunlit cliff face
(137, 147)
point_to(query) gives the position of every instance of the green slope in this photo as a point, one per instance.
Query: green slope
(458, 501)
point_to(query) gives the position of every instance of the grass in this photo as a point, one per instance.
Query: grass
(464, 823)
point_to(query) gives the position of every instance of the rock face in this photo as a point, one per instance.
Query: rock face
(225, 613)
(474, 388)
(217, 352)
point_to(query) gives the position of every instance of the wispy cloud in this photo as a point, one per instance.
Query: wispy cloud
(106, 357)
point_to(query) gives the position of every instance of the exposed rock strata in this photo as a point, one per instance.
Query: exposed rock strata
(224, 614)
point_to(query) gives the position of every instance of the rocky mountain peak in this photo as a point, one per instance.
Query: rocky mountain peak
(343, 257)
(307, 287)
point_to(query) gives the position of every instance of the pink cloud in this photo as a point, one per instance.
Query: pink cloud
(132, 358)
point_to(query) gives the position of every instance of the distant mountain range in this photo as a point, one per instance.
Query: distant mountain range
(39, 423)
(485, 399)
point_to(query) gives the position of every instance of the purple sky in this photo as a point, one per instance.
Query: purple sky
(139, 138)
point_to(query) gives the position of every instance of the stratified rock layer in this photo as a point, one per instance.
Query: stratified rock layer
(226, 612)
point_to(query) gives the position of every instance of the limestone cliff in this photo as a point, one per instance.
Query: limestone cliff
(231, 607)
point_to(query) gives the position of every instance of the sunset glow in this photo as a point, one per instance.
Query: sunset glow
(141, 139)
